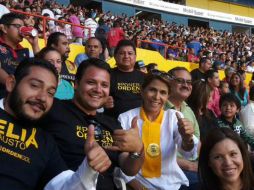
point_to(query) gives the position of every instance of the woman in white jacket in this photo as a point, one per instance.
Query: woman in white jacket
(163, 134)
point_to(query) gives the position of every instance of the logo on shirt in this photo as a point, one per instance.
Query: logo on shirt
(129, 87)
(3, 50)
(103, 137)
(237, 129)
(16, 140)
(21, 141)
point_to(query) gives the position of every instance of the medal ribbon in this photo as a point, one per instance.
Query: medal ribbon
(151, 139)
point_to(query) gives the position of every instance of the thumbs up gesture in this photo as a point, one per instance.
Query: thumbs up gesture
(109, 103)
(185, 128)
(127, 140)
(96, 156)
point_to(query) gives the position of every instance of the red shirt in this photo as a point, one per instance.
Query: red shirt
(114, 36)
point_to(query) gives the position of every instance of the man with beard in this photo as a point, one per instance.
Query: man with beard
(68, 122)
(60, 42)
(11, 52)
(181, 85)
(29, 157)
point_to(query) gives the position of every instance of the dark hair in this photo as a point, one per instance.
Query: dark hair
(222, 83)
(41, 54)
(123, 43)
(199, 97)
(61, 18)
(94, 38)
(54, 38)
(84, 65)
(117, 23)
(172, 71)
(47, 4)
(210, 73)
(151, 77)
(72, 11)
(203, 60)
(101, 21)
(208, 179)
(23, 69)
(241, 87)
(229, 97)
(151, 66)
(241, 72)
(10, 17)
(251, 93)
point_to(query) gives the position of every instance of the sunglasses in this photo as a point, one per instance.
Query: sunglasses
(162, 74)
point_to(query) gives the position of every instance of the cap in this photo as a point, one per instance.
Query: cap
(140, 64)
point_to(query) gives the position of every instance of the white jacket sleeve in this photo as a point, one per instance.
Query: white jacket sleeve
(85, 178)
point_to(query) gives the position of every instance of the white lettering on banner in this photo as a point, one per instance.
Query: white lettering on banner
(190, 11)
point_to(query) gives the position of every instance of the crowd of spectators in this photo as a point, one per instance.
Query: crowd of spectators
(175, 42)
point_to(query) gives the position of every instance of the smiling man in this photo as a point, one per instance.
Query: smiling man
(68, 122)
(29, 157)
(181, 87)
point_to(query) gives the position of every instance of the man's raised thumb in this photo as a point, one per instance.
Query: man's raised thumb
(90, 136)
(178, 116)
(134, 122)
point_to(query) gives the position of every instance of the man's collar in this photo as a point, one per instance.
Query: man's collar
(4, 43)
(170, 105)
(201, 70)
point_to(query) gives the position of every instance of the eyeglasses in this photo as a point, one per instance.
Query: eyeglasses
(160, 73)
(181, 81)
(97, 128)
(18, 26)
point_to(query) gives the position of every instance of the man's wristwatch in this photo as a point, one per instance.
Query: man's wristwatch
(136, 155)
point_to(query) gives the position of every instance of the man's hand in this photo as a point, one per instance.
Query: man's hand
(185, 128)
(96, 156)
(127, 140)
(109, 103)
(34, 41)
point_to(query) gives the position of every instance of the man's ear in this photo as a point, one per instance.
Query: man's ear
(10, 83)
(3, 28)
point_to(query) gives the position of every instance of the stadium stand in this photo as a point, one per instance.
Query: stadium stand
(168, 44)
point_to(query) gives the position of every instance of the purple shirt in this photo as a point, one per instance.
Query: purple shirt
(213, 103)
(76, 31)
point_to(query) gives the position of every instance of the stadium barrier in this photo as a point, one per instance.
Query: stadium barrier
(46, 19)
(148, 56)
(164, 47)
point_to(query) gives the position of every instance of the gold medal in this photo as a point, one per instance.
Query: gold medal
(153, 150)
